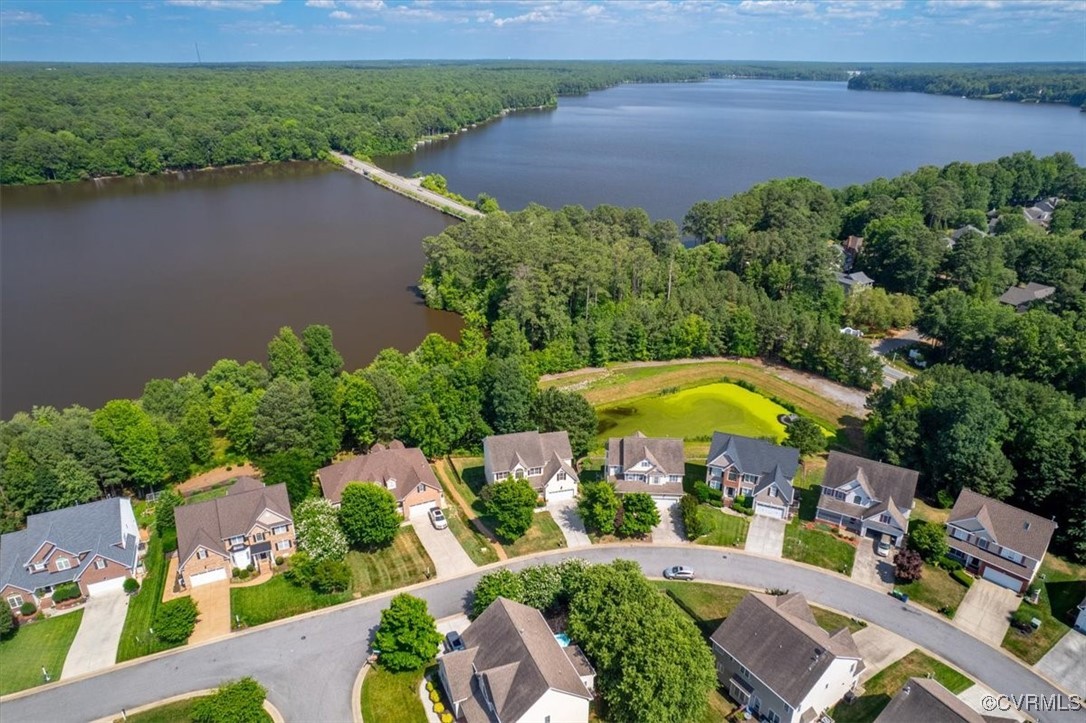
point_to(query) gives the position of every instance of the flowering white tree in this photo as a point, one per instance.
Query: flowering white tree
(317, 526)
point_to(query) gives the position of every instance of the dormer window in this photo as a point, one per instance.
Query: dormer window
(535, 471)
(37, 567)
(857, 500)
(561, 476)
(885, 519)
(63, 563)
(390, 483)
(201, 554)
(236, 540)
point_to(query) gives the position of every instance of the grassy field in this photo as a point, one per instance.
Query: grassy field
(392, 697)
(179, 712)
(935, 590)
(882, 687)
(276, 599)
(929, 513)
(40, 644)
(694, 413)
(402, 563)
(818, 546)
(724, 530)
(469, 478)
(136, 639)
(1064, 587)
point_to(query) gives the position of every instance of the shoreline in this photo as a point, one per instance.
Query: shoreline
(407, 187)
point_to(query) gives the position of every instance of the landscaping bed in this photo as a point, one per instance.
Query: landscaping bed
(43, 643)
(815, 544)
(1063, 588)
(391, 697)
(935, 590)
(882, 687)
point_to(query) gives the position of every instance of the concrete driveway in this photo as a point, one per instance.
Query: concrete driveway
(1066, 663)
(879, 648)
(95, 643)
(870, 569)
(443, 548)
(213, 602)
(570, 522)
(670, 528)
(985, 611)
(765, 536)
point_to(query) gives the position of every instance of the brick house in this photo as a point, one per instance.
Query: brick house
(95, 545)
(544, 459)
(654, 465)
(401, 470)
(746, 467)
(867, 497)
(251, 525)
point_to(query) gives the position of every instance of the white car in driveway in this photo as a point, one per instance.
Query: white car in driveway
(437, 517)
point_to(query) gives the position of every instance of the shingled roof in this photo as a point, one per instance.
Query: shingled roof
(510, 649)
(1018, 295)
(771, 462)
(546, 450)
(1007, 525)
(208, 524)
(923, 699)
(665, 453)
(882, 482)
(407, 466)
(778, 640)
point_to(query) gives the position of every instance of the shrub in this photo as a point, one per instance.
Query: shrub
(8, 623)
(963, 577)
(948, 563)
(236, 572)
(434, 696)
(244, 573)
(929, 540)
(175, 620)
(705, 493)
(599, 506)
(692, 522)
(639, 514)
(439, 707)
(66, 591)
(446, 718)
(239, 702)
(948, 610)
(908, 566)
(130, 585)
(331, 576)
(250, 567)
(316, 523)
(278, 559)
(944, 499)
(27, 609)
(429, 685)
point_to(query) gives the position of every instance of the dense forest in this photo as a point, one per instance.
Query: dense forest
(1033, 83)
(67, 122)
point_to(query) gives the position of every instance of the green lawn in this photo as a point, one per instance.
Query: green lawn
(543, 535)
(275, 599)
(211, 494)
(1063, 588)
(719, 708)
(694, 413)
(724, 530)
(136, 639)
(818, 546)
(882, 687)
(179, 712)
(402, 563)
(36, 645)
(392, 697)
(935, 590)
(475, 544)
(470, 478)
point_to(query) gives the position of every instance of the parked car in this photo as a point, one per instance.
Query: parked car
(454, 642)
(437, 517)
(883, 546)
(679, 572)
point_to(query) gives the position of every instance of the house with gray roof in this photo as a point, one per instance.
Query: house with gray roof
(774, 660)
(513, 669)
(867, 497)
(654, 465)
(1022, 297)
(997, 541)
(251, 525)
(924, 699)
(403, 471)
(855, 281)
(543, 458)
(745, 467)
(1040, 213)
(95, 545)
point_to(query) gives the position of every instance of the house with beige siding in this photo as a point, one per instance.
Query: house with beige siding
(251, 525)
(403, 471)
(654, 465)
(545, 459)
(867, 497)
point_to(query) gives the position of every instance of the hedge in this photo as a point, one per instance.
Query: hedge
(962, 576)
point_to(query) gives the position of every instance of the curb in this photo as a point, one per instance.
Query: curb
(356, 693)
(270, 709)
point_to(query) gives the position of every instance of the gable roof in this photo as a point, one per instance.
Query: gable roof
(406, 465)
(549, 450)
(208, 524)
(664, 453)
(880, 480)
(857, 277)
(104, 528)
(772, 463)
(778, 640)
(1007, 525)
(1018, 295)
(853, 243)
(513, 651)
(924, 699)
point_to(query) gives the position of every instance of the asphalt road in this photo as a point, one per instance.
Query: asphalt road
(309, 665)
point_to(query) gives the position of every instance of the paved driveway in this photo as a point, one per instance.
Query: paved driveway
(443, 548)
(1066, 662)
(879, 648)
(213, 602)
(765, 536)
(670, 528)
(570, 522)
(870, 569)
(985, 611)
(95, 643)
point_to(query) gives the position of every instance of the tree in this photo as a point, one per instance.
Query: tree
(316, 524)
(693, 522)
(175, 620)
(330, 576)
(908, 566)
(806, 436)
(165, 504)
(75, 483)
(876, 311)
(491, 586)
(7, 623)
(599, 506)
(240, 424)
(292, 467)
(928, 540)
(133, 436)
(407, 637)
(285, 418)
(241, 701)
(287, 357)
(359, 406)
(542, 586)
(510, 388)
(512, 504)
(639, 514)
(556, 410)
(321, 354)
(368, 515)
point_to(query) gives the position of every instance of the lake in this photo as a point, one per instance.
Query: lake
(107, 285)
(663, 147)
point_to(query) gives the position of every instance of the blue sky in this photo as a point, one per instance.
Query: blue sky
(273, 30)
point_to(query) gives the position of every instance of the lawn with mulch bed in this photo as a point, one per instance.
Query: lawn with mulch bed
(392, 697)
(725, 530)
(402, 563)
(276, 599)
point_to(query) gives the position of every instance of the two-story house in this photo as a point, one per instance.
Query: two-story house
(544, 459)
(655, 465)
(924, 700)
(95, 545)
(514, 670)
(997, 541)
(251, 525)
(403, 471)
(867, 497)
(742, 466)
(776, 662)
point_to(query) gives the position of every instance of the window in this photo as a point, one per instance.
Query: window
(99, 564)
(839, 494)
(38, 566)
(421, 487)
(982, 543)
(258, 537)
(857, 500)
(15, 602)
(885, 519)
(282, 545)
(750, 478)
(772, 717)
(744, 672)
(63, 563)
(535, 471)
(561, 476)
(280, 529)
(201, 554)
(236, 540)
(733, 474)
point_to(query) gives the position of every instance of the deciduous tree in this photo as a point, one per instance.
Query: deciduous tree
(407, 637)
(512, 505)
(368, 515)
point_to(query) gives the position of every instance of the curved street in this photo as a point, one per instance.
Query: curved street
(309, 664)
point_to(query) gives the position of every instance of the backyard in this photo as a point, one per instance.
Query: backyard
(391, 697)
(37, 645)
(136, 639)
(882, 687)
(935, 590)
(1063, 587)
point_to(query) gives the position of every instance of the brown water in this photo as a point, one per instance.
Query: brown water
(106, 285)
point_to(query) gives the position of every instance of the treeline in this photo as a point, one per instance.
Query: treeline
(289, 416)
(1036, 83)
(64, 122)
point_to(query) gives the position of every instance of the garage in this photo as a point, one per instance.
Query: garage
(421, 509)
(776, 513)
(561, 496)
(1001, 578)
(114, 585)
(205, 578)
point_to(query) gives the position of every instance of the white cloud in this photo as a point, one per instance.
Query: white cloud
(21, 17)
(370, 5)
(260, 27)
(777, 7)
(322, 4)
(340, 15)
(224, 4)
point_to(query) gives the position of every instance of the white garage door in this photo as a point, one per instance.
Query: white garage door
(1002, 578)
(422, 509)
(769, 511)
(561, 496)
(204, 578)
(113, 585)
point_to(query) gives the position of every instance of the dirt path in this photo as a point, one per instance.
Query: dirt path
(214, 477)
(410, 187)
(442, 466)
